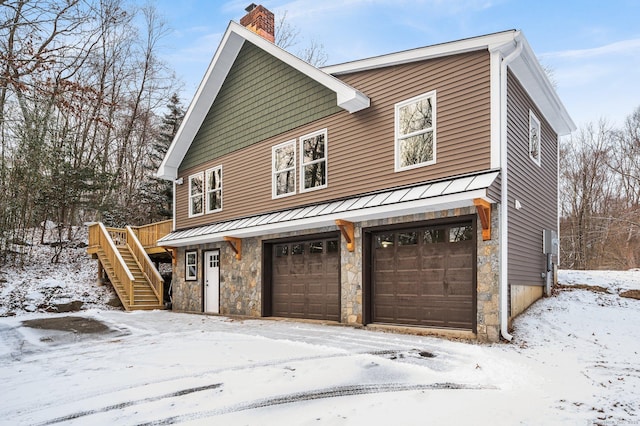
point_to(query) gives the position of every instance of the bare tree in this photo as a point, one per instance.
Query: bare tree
(288, 37)
(585, 188)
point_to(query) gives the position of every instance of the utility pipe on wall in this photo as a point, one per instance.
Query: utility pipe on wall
(504, 201)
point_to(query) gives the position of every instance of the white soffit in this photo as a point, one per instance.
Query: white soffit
(347, 97)
(429, 196)
(420, 54)
(526, 68)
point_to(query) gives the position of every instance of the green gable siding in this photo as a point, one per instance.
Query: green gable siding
(260, 98)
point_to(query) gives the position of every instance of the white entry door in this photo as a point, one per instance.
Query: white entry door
(212, 281)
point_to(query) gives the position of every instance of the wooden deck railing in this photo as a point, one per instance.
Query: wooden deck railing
(100, 236)
(150, 234)
(151, 273)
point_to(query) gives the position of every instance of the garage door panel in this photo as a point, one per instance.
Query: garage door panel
(426, 277)
(305, 279)
(407, 288)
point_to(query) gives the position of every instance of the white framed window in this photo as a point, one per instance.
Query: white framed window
(283, 169)
(313, 161)
(534, 138)
(191, 265)
(214, 189)
(415, 132)
(196, 194)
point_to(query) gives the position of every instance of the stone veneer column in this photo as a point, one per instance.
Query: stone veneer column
(241, 280)
(351, 280)
(488, 276)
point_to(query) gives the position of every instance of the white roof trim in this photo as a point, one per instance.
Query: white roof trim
(430, 196)
(526, 68)
(535, 81)
(422, 53)
(347, 97)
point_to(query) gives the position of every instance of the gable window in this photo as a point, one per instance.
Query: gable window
(191, 265)
(313, 155)
(283, 160)
(415, 122)
(196, 195)
(534, 138)
(214, 189)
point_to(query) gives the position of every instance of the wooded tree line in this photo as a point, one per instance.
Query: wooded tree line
(600, 196)
(87, 111)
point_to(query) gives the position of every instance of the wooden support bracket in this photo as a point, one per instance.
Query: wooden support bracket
(236, 246)
(484, 211)
(171, 251)
(347, 230)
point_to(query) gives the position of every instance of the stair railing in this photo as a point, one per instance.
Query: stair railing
(120, 268)
(148, 269)
(151, 233)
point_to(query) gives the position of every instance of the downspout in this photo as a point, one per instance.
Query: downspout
(504, 200)
(173, 207)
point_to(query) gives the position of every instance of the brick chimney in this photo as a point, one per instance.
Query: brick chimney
(260, 21)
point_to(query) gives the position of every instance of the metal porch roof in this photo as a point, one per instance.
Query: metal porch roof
(441, 194)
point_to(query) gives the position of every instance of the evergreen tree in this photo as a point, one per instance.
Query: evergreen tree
(157, 194)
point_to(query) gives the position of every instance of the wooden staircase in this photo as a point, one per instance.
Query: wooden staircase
(126, 263)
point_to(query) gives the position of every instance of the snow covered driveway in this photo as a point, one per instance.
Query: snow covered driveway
(575, 361)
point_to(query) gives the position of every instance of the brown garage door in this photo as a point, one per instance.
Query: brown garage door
(305, 280)
(425, 276)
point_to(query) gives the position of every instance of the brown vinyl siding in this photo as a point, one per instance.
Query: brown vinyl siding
(534, 186)
(261, 97)
(361, 145)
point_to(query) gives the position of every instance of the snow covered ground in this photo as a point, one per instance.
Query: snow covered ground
(574, 360)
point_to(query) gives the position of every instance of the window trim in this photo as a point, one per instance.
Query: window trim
(534, 120)
(187, 276)
(325, 159)
(191, 178)
(274, 181)
(397, 106)
(207, 190)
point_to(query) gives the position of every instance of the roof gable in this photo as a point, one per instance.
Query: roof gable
(233, 40)
(261, 97)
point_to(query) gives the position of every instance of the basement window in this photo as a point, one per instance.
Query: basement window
(191, 266)
(415, 132)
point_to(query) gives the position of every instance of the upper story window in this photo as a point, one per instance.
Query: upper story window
(196, 195)
(283, 160)
(214, 189)
(313, 155)
(415, 132)
(534, 138)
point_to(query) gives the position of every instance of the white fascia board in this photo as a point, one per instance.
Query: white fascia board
(533, 78)
(207, 91)
(347, 97)
(444, 202)
(423, 53)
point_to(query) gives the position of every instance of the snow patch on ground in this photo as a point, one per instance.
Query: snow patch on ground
(574, 360)
(39, 285)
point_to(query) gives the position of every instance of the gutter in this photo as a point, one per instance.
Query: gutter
(504, 202)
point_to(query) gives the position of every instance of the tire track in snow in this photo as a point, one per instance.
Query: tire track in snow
(349, 390)
(130, 403)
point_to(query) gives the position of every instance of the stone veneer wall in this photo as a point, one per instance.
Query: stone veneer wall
(187, 295)
(241, 281)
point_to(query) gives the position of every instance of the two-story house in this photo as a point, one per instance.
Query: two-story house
(409, 189)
